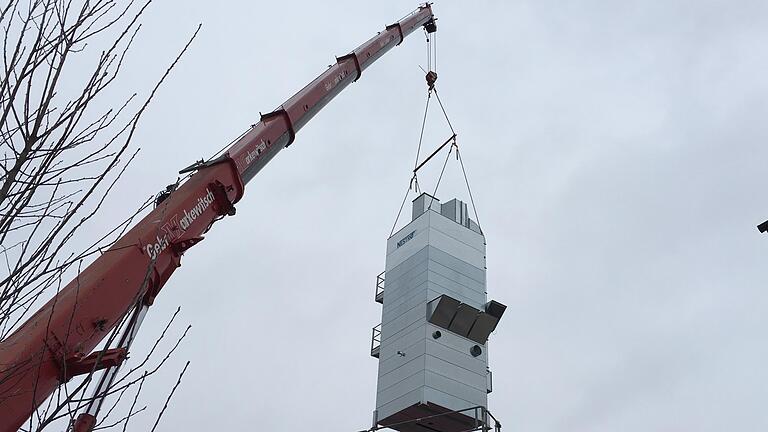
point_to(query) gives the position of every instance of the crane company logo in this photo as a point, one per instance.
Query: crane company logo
(252, 155)
(176, 226)
(406, 239)
(202, 203)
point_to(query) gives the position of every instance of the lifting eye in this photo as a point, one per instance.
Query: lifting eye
(475, 350)
(436, 334)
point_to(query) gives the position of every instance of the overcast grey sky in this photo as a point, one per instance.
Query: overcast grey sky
(616, 153)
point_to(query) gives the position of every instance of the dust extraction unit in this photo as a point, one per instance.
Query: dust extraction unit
(433, 338)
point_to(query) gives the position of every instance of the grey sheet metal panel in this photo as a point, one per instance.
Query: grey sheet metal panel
(424, 202)
(392, 335)
(405, 281)
(456, 355)
(436, 230)
(452, 401)
(457, 232)
(395, 361)
(403, 291)
(386, 409)
(441, 282)
(407, 241)
(401, 302)
(391, 328)
(450, 245)
(456, 211)
(462, 322)
(470, 271)
(417, 299)
(475, 379)
(411, 383)
(460, 347)
(406, 370)
(417, 258)
(456, 388)
(439, 267)
(475, 227)
(411, 349)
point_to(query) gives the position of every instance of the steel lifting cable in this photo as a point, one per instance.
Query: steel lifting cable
(431, 76)
(458, 157)
(442, 171)
(434, 36)
(414, 183)
(414, 179)
(466, 180)
(429, 50)
(443, 109)
(405, 198)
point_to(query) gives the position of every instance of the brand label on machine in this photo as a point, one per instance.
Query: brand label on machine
(406, 239)
(175, 223)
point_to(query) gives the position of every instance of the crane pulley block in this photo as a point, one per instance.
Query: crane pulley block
(431, 78)
(431, 25)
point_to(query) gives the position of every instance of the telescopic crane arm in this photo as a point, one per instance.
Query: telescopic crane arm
(57, 342)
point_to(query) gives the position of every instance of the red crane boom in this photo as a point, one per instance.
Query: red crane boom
(56, 343)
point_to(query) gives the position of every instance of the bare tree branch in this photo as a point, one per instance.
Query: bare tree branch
(61, 155)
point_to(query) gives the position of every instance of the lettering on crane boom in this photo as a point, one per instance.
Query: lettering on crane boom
(254, 154)
(406, 239)
(176, 226)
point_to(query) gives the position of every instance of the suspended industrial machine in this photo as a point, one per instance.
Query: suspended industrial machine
(57, 343)
(432, 343)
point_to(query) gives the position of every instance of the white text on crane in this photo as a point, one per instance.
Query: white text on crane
(176, 226)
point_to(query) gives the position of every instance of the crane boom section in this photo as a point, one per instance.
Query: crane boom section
(56, 341)
(277, 129)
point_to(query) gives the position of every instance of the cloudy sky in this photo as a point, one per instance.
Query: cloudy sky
(616, 154)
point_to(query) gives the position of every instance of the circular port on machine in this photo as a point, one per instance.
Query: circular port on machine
(475, 350)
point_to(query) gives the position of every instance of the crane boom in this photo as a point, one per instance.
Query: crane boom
(57, 342)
